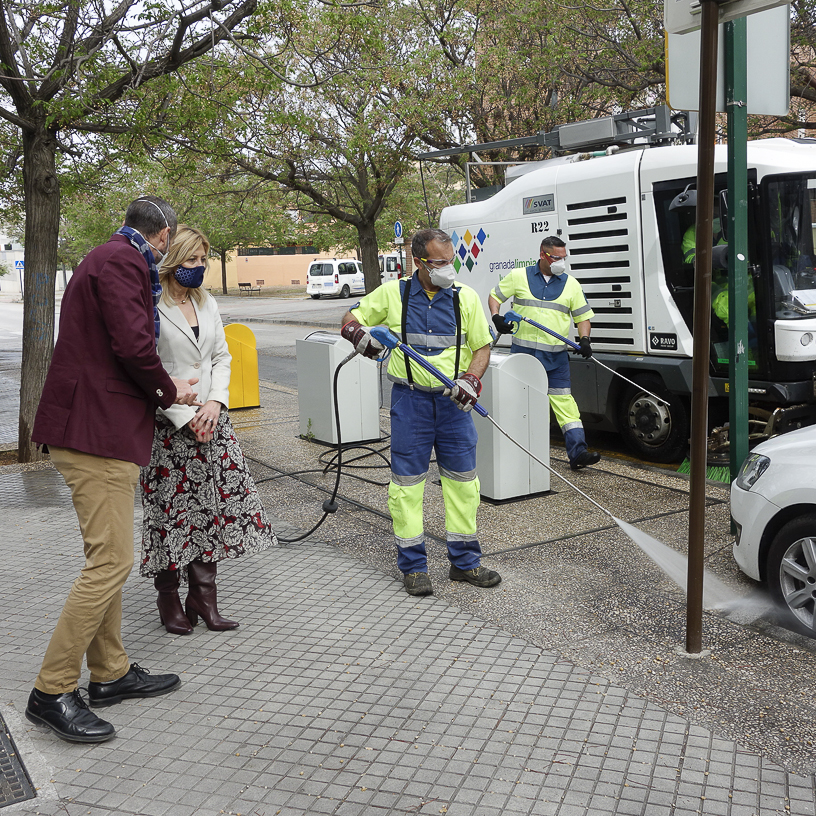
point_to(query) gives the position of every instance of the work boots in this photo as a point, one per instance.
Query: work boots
(170, 610)
(202, 597)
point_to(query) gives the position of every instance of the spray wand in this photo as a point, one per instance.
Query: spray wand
(515, 317)
(385, 336)
(715, 594)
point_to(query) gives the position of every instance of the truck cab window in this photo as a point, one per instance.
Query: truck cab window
(676, 207)
(791, 208)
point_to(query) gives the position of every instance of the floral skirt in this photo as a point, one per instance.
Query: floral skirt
(199, 501)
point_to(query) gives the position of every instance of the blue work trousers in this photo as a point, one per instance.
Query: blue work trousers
(559, 390)
(422, 422)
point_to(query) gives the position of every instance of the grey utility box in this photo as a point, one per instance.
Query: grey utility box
(358, 388)
(515, 395)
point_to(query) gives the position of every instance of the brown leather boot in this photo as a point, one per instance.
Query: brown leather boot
(169, 603)
(202, 597)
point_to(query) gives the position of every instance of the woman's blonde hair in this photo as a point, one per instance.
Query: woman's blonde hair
(185, 244)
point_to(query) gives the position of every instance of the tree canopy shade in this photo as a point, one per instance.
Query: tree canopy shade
(224, 204)
(71, 73)
(334, 130)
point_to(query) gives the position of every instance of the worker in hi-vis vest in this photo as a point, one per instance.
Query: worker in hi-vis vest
(445, 323)
(544, 292)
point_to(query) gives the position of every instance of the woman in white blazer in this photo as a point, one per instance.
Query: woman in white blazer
(199, 499)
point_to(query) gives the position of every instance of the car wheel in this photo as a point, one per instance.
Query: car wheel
(792, 573)
(345, 292)
(655, 431)
(315, 297)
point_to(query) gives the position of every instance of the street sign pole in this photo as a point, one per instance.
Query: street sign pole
(736, 90)
(702, 323)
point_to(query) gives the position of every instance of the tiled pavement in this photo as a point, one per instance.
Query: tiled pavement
(341, 695)
(9, 397)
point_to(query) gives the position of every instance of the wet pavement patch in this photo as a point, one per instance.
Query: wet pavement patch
(15, 786)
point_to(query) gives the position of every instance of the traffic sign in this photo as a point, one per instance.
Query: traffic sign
(19, 264)
(768, 69)
(397, 229)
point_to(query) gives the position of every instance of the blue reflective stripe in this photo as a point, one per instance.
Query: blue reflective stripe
(404, 543)
(538, 344)
(542, 304)
(430, 389)
(408, 481)
(437, 341)
(465, 476)
(498, 294)
(461, 537)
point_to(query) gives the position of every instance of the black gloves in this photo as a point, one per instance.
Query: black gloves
(502, 326)
(585, 349)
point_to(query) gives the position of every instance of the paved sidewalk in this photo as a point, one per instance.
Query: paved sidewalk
(559, 692)
(340, 694)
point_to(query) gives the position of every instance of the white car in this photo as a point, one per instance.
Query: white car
(773, 505)
(335, 277)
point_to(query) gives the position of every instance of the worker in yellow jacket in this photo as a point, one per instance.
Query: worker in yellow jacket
(544, 292)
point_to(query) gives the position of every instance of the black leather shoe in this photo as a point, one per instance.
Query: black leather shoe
(68, 716)
(418, 583)
(585, 458)
(479, 576)
(136, 683)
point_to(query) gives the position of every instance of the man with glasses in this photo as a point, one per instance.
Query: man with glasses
(545, 293)
(446, 324)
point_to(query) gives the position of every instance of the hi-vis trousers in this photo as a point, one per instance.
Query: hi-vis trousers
(420, 423)
(561, 400)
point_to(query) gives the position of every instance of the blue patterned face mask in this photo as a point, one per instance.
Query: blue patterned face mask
(191, 278)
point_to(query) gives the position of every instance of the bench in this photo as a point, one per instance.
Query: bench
(247, 288)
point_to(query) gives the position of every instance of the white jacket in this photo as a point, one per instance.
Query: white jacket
(183, 356)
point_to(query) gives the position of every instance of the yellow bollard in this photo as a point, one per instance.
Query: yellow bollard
(244, 390)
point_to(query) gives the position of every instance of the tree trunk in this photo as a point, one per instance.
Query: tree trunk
(369, 255)
(42, 209)
(224, 271)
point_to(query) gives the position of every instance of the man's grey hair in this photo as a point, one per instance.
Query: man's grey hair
(150, 215)
(424, 237)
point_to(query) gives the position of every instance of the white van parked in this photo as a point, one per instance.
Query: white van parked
(390, 267)
(335, 277)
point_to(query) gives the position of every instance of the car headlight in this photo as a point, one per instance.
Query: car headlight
(752, 468)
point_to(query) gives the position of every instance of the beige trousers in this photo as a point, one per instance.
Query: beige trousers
(102, 491)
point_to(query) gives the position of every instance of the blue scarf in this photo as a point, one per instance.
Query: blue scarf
(137, 239)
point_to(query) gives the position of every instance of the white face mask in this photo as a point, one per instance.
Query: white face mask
(157, 253)
(558, 267)
(443, 277)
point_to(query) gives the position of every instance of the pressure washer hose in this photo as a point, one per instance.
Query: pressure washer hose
(390, 340)
(515, 317)
(330, 504)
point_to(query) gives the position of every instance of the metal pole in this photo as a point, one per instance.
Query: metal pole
(702, 323)
(736, 90)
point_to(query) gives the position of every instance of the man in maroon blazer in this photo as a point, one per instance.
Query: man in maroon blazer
(96, 416)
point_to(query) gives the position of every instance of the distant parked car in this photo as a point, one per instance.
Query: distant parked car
(335, 277)
(773, 504)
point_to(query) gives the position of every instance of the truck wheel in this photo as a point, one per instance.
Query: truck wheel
(315, 297)
(345, 292)
(655, 431)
